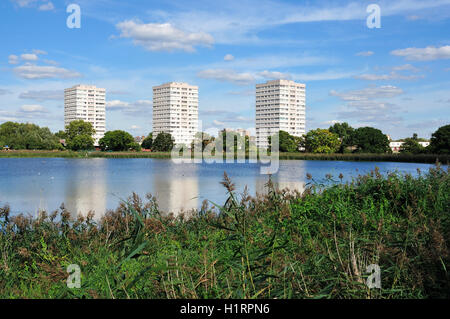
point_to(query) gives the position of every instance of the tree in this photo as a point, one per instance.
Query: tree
(370, 140)
(411, 145)
(345, 133)
(440, 140)
(287, 142)
(81, 142)
(148, 141)
(61, 135)
(79, 135)
(321, 141)
(27, 136)
(163, 142)
(203, 139)
(117, 141)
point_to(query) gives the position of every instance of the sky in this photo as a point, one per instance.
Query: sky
(395, 78)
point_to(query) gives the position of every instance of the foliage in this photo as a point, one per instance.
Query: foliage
(147, 143)
(287, 142)
(440, 140)
(279, 245)
(321, 141)
(27, 136)
(118, 141)
(80, 143)
(203, 139)
(163, 142)
(370, 140)
(411, 145)
(79, 135)
(345, 133)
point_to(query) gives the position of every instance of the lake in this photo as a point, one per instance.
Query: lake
(32, 184)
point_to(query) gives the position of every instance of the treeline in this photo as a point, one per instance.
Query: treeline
(342, 138)
(339, 138)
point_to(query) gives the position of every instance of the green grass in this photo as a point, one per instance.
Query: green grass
(281, 245)
(409, 158)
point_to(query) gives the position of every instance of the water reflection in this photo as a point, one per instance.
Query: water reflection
(177, 189)
(85, 187)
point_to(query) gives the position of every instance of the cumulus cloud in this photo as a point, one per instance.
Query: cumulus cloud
(129, 107)
(424, 54)
(46, 6)
(274, 75)
(228, 57)
(365, 53)
(33, 108)
(385, 77)
(13, 59)
(29, 57)
(32, 72)
(162, 36)
(43, 95)
(387, 91)
(366, 105)
(224, 75)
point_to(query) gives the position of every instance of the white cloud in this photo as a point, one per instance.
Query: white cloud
(228, 57)
(162, 37)
(218, 123)
(365, 53)
(129, 107)
(43, 95)
(365, 106)
(387, 91)
(385, 77)
(135, 127)
(224, 75)
(46, 7)
(29, 57)
(271, 75)
(24, 3)
(13, 59)
(405, 67)
(32, 108)
(35, 51)
(32, 72)
(424, 54)
(3, 92)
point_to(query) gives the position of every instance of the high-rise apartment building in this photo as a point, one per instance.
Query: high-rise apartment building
(87, 103)
(175, 111)
(280, 105)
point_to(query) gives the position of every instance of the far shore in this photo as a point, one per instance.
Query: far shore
(396, 157)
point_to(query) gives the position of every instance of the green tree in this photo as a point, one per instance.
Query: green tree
(345, 133)
(287, 142)
(202, 138)
(440, 140)
(411, 145)
(27, 136)
(61, 135)
(370, 140)
(147, 143)
(81, 142)
(163, 142)
(79, 135)
(321, 141)
(118, 141)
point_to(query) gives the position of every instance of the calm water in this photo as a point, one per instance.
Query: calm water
(30, 185)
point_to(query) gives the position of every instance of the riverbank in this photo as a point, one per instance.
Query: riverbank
(283, 245)
(398, 157)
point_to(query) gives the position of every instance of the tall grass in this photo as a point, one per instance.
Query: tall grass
(398, 157)
(280, 245)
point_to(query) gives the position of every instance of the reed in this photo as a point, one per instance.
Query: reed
(279, 245)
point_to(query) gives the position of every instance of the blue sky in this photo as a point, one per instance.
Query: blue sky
(396, 78)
